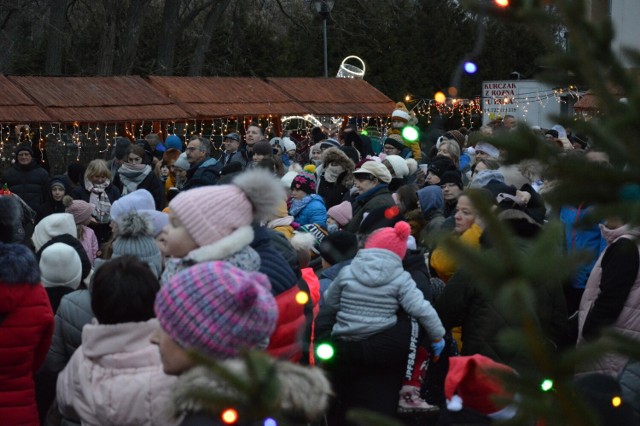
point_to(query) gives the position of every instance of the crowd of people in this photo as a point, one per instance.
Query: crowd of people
(115, 272)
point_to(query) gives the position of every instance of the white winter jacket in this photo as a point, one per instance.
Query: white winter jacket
(115, 378)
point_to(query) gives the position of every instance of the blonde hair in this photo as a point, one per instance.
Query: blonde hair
(453, 149)
(97, 168)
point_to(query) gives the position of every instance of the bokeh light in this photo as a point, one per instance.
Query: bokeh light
(546, 385)
(453, 91)
(270, 422)
(302, 297)
(616, 401)
(501, 3)
(440, 97)
(391, 212)
(470, 67)
(325, 351)
(229, 416)
(410, 133)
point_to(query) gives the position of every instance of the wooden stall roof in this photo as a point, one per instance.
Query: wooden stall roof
(156, 98)
(205, 97)
(98, 99)
(16, 106)
(336, 96)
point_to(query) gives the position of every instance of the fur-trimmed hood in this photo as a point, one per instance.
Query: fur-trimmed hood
(335, 155)
(304, 392)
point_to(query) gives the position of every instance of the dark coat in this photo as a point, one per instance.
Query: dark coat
(465, 303)
(31, 183)
(374, 198)
(151, 183)
(336, 192)
(80, 193)
(204, 173)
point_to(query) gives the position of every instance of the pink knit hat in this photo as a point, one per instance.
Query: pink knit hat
(211, 213)
(81, 210)
(218, 309)
(392, 239)
(341, 213)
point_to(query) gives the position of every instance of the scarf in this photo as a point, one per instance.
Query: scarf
(332, 173)
(132, 175)
(98, 197)
(298, 205)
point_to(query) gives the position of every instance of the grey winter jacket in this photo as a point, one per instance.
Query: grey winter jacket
(367, 293)
(73, 313)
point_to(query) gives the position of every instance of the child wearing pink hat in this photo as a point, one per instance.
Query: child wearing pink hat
(338, 216)
(214, 222)
(81, 211)
(367, 294)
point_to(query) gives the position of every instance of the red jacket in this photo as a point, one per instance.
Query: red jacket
(26, 327)
(291, 334)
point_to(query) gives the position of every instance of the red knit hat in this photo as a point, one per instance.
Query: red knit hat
(472, 381)
(392, 239)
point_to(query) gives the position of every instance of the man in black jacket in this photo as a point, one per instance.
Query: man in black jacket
(204, 169)
(27, 179)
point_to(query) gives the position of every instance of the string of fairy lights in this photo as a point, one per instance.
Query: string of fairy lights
(76, 137)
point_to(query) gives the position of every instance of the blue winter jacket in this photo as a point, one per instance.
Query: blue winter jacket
(314, 212)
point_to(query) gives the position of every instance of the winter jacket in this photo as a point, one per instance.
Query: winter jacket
(31, 183)
(612, 296)
(89, 242)
(302, 392)
(376, 197)
(578, 238)
(50, 206)
(151, 183)
(313, 212)
(234, 248)
(273, 262)
(73, 313)
(367, 294)
(81, 193)
(240, 156)
(432, 206)
(26, 326)
(328, 275)
(465, 303)
(115, 377)
(204, 173)
(293, 318)
(336, 192)
(630, 383)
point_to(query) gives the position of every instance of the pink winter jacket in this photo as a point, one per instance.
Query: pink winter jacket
(115, 378)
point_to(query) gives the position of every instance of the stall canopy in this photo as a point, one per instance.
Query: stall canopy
(134, 98)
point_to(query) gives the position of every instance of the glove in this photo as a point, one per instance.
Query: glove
(436, 348)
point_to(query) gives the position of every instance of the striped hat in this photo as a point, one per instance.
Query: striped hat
(217, 309)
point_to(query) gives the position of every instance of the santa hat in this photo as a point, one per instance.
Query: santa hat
(473, 382)
(401, 113)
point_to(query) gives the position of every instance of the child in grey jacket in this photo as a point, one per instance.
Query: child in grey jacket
(367, 294)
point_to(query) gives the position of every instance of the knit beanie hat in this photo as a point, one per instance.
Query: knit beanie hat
(173, 141)
(75, 244)
(451, 176)
(456, 136)
(304, 181)
(135, 237)
(60, 266)
(60, 181)
(401, 113)
(392, 239)
(210, 213)
(329, 143)
(51, 226)
(24, 147)
(441, 164)
(488, 149)
(338, 247)
(472, 383)
(375, 168)
(81, 210)
(289, 145)
(397, 144)
(399, 165)
(140, 199)
(287, 179)
(19, 266)
(262, 148)
(217, 309)
(182, 162)
(341, 213)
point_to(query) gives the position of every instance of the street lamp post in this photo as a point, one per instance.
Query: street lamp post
(323, 7)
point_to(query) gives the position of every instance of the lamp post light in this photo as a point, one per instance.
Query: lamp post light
(323, 7)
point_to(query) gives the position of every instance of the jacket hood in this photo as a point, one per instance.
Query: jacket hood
(376, 267)
(333, 271)
(335, 155)
(304, 392)
(208, 162)
(100, 340)
(431, 199)
(610, 235)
